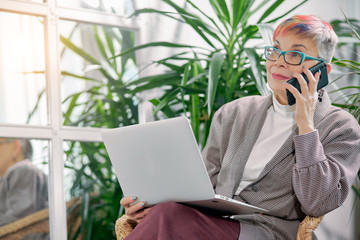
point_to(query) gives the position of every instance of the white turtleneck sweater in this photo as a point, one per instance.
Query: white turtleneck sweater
(278, 125)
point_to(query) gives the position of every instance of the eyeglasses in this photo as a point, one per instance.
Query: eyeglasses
(290, 57)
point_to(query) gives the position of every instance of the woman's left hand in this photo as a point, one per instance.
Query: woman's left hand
(305, 101)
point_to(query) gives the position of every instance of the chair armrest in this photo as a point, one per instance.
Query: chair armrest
(307, 226)
(37, 222)
(25, 222)
(124, 227)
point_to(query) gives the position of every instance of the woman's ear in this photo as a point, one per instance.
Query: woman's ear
(328, 65)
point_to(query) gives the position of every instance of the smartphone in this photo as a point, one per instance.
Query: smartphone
(323, 81)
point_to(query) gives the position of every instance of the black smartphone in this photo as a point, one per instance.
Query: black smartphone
(323, 81)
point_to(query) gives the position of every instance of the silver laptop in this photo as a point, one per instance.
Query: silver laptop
(160, 161)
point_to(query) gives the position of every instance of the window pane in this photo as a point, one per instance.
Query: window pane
(24, 171)
(22, 64)
(94, 85)
(39, 1)
(90, 177)
(120, 7)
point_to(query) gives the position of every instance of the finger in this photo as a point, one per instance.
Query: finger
(134, 208)
(312, 80)
(126, 201)
(294, 91)
(303, 84)
(142, 214)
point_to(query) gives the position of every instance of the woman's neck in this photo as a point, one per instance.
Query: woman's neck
(281, 99)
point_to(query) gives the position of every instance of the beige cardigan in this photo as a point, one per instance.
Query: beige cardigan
(311, 174)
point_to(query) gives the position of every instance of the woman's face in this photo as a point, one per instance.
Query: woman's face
(279, 71)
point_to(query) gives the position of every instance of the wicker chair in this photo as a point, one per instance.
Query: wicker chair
(38, 223)
(124, 226)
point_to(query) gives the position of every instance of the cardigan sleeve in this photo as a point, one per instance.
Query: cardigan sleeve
(211, 152)
(325, 169)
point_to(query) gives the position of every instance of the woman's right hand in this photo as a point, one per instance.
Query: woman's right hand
(135, 212)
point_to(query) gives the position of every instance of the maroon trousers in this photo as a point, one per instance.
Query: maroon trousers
(172, 221)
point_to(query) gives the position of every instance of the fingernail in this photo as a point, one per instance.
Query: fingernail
(134, 198)
(283, 82)
(303, 67)
(142, 204)
(319, 71)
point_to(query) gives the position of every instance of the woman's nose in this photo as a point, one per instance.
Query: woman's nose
(280, 60)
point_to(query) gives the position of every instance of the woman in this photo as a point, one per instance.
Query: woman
(291, 160)
(23, 187)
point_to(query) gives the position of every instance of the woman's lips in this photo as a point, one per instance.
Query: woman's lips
(279, 76)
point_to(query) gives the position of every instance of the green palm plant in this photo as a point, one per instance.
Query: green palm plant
(351, 99)
(201, 79)
(107, 101)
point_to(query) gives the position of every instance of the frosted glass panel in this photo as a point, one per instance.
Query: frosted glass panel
(120, 7)
(22, 65)
(24, 169)
(93, 88)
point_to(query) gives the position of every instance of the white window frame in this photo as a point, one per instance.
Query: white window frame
(55, 132)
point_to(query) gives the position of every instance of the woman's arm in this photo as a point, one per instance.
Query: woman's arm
(324, 172)
(211, 152)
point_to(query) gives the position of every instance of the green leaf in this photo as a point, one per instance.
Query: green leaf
(39, 97)
(258, 8)
(99, 42)
(216, 63)
(183, 83)
(155, 82)
(350, 64)
(163, 104)
(195, 115)
(221, 10)
(240, 8)
(71, 107)
(211, 20)
(356, 190)
(274, 6)
(127, 43)
(257, 71)
(78, 50)
(151, 10)
(166, 100)
(156, 44)
(65, 73)
(356, 34)
(166, 109)
(109, 40)
(196, 23)
(266, 31)
(286, 13)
